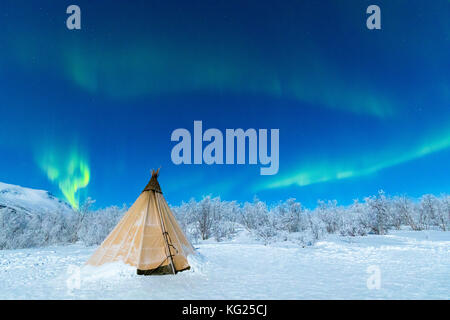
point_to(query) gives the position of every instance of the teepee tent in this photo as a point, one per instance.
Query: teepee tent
(147, 237)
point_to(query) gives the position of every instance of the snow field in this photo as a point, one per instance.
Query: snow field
(412, 265)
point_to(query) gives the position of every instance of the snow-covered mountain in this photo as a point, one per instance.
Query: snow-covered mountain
(29, 201)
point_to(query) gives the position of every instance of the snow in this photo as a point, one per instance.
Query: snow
(30, 200)
(413, 265)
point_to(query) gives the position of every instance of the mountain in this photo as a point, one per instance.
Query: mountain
(27, 200)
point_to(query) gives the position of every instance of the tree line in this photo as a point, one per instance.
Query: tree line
(213, 218)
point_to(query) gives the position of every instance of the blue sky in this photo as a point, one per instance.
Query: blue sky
(357, 110)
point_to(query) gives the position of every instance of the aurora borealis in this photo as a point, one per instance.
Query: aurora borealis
(90, 112)
(69, 169)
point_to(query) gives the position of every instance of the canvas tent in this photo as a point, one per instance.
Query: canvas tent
(147, 237)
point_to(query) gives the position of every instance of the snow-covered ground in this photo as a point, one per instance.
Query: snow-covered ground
(412, 265)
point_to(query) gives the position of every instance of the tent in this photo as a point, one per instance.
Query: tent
(147, 237)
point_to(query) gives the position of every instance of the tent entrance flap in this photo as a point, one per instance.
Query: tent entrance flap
(160, 271)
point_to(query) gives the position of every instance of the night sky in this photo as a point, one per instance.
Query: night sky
(90, 112)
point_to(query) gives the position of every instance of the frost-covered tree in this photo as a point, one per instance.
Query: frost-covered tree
(254, 214)
(291, 215)
(317, 228)
(330, 214)
(404, 213)
(185, 216)
(96, 225)
(22, 229)
(204, 215)
(377, 215)
(443, 213)
(226, 213)
(256, 218)
(210, 217)
(428, 208)
(352, 222)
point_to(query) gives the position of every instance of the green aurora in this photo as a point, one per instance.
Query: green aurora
(70, 171)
